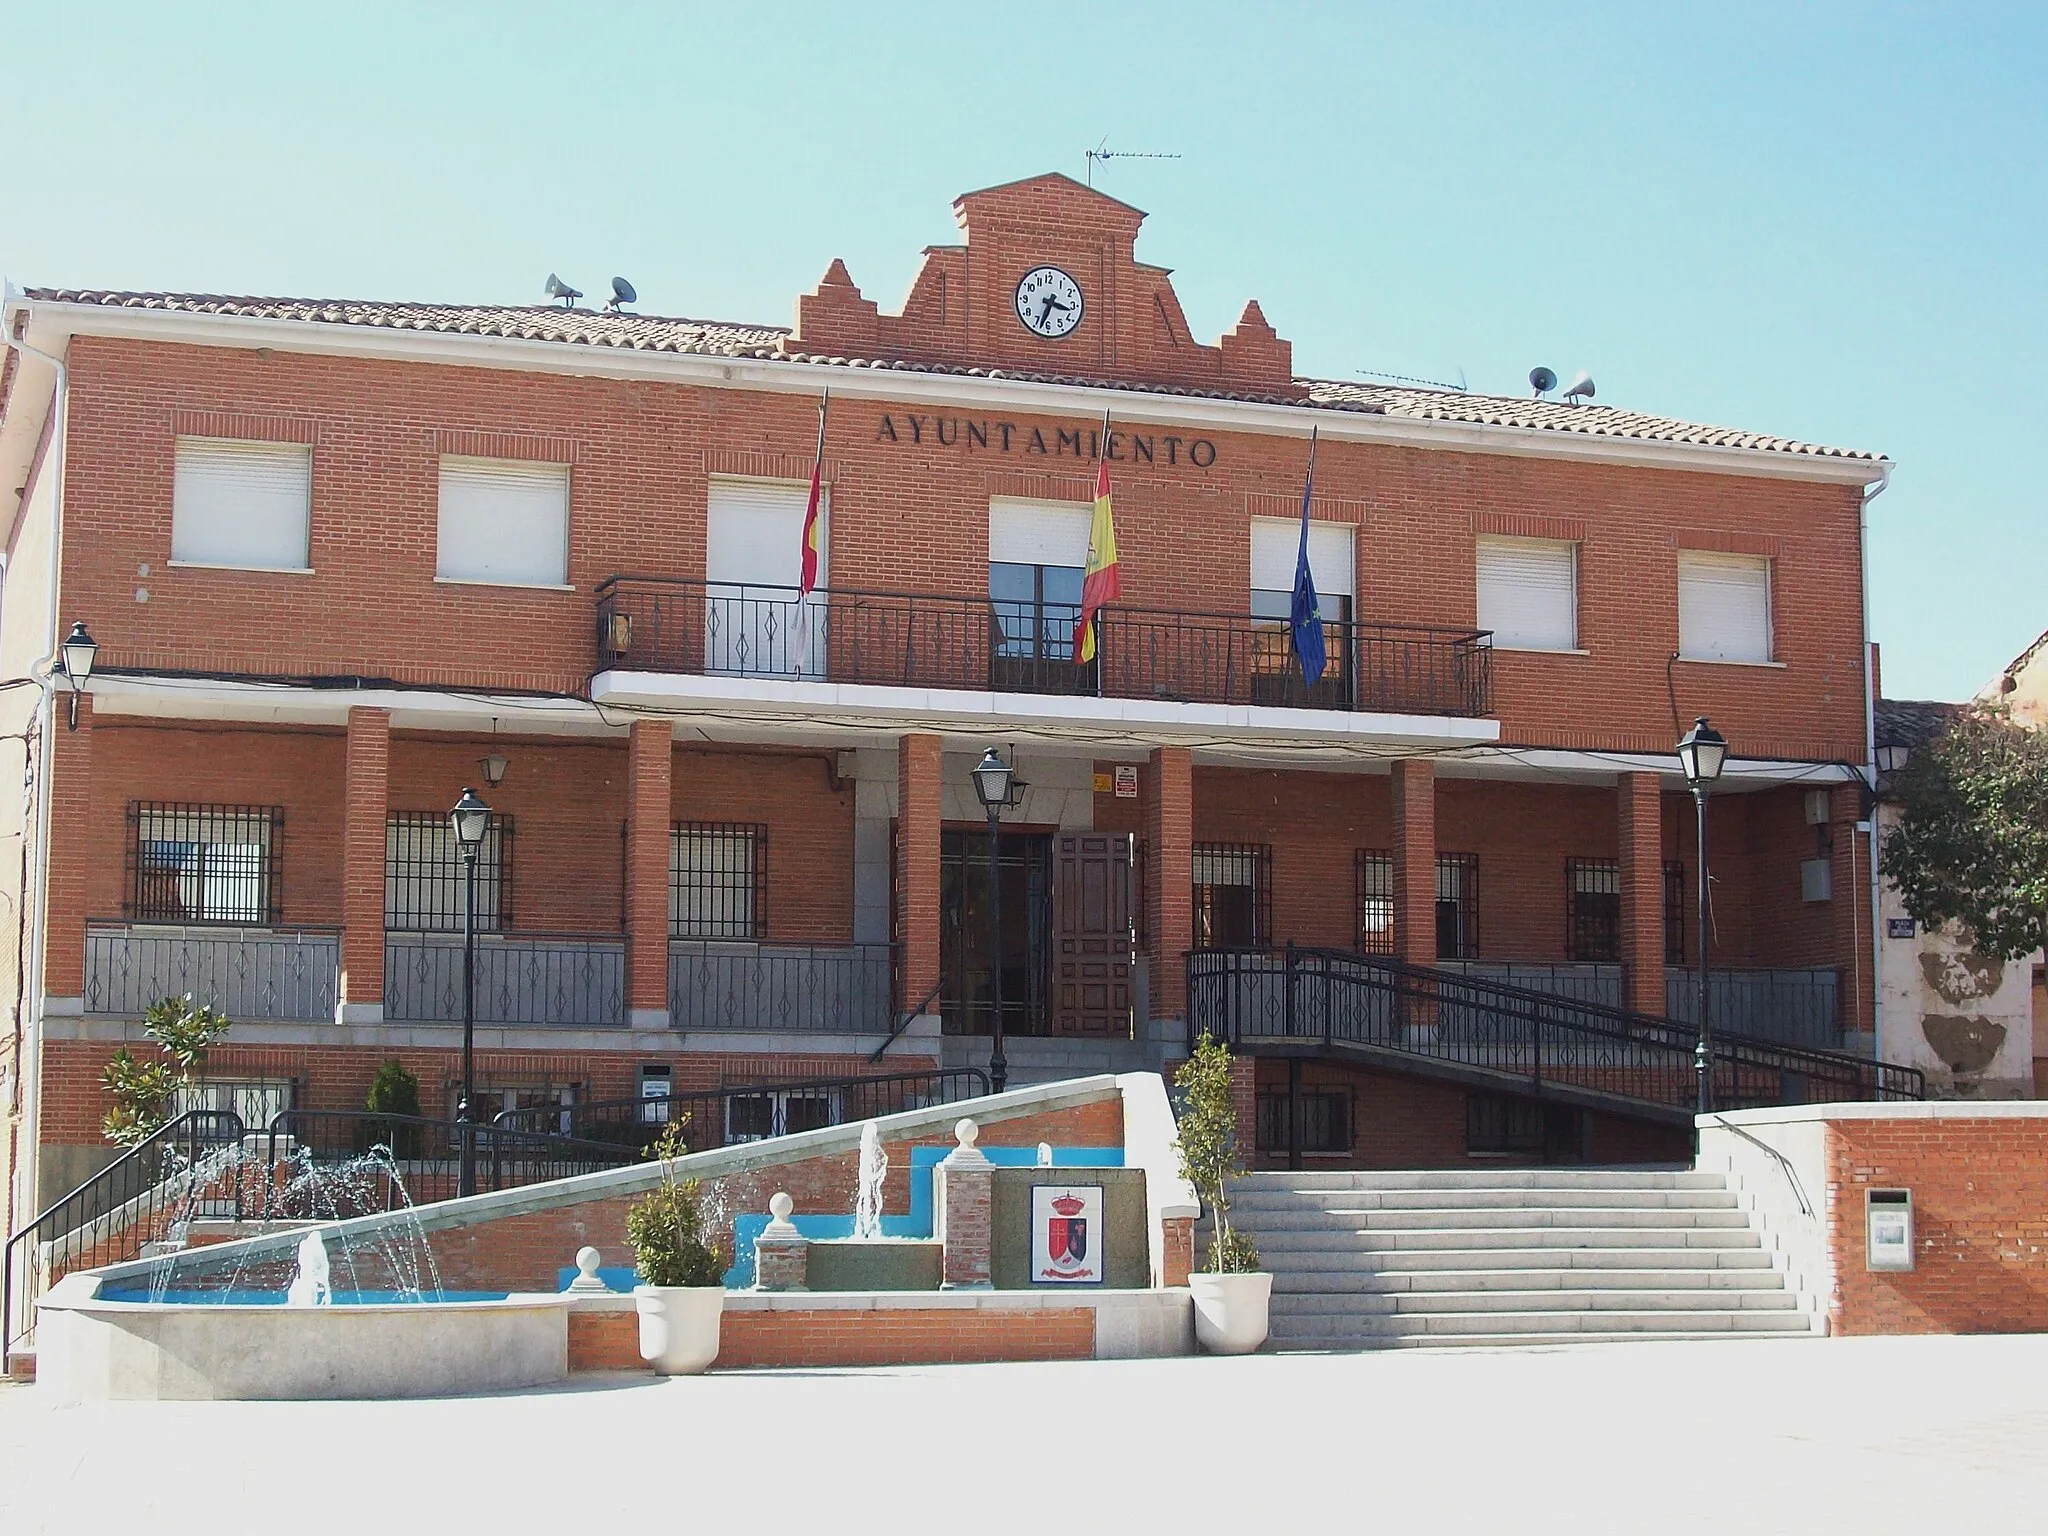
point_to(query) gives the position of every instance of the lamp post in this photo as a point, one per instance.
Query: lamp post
(992, 787)
(1701, 752)
(75, 659)
(471, 819)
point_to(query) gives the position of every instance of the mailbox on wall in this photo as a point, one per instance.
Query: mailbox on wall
(1888, 1228)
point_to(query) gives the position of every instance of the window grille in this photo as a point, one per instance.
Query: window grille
(204, 863)
(1592, 894)
(423, 878)
(717, 880)
(1233, 895)
(255, 1100)
(1373, 902)
(1325, 1122)
(1674, 913)
(1457, 906)
(1499, 1126)
(756, 1116)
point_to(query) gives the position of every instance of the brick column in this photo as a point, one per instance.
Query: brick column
(1415, 861)
(366, 783)
(782, 1255)
(650, 756)
(1168, 786)
(918, 816)
(963, 1199)
(70, 816)
(1639, 800)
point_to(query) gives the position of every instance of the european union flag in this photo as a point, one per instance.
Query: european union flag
(1304, 617)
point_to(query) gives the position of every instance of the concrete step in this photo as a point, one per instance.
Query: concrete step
(1478, 1238)
(1480, 1178)
(1536, 1217)
(1429, 1260)
(1308, 1202)
(1325, 1305)
(1362, 1281)
(1516, 1341)
(1508, 1326)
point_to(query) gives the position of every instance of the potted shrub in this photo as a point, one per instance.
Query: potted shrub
(1232, 1294)
(393, 1091)
(681, 1295)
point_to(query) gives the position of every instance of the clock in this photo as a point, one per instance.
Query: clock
(1049, 302)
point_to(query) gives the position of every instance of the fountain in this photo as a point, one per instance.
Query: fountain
(867, 1199)
(310, 1287)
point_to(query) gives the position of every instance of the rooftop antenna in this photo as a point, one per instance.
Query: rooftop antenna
(1102, 152)
(557, 289)
(622, 293)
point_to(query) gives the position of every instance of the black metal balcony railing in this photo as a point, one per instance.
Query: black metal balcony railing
(247, 973)
(523, 979)
(927, 640)
(816, 988)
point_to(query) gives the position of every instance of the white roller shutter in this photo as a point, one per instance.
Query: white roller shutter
(1276, 542)
(504, 521)
(1529, 593)
(1724, 606)
(1038, 532)
(243, 504)
(753, 546)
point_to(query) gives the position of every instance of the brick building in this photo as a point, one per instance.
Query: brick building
(337, 555)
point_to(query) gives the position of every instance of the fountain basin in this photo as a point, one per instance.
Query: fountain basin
(94, 1348)
(876, 1264)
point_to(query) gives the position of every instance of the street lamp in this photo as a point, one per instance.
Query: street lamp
(1701, 753)
(992, 786)
(471, 819)
(75, 660)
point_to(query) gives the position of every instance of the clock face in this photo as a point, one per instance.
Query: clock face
(1049, 302)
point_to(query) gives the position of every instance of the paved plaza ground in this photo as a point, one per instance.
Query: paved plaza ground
(1859, 1435)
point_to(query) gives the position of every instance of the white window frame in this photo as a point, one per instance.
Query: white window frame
(524, 483)
(1506, 590)
(1696, 564)
(276, 485)
(1332, 555)
(754, 624)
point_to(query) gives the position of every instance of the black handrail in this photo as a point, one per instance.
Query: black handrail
(903, 1021)
(764, 1109)
(133, 1201)
(1330, 998)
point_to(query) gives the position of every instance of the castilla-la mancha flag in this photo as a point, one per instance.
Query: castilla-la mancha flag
(1100, 582)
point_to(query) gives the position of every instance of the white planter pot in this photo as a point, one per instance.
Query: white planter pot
(679, 1326)
(1230, 1311)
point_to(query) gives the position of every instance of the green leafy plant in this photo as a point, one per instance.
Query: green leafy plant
(1206, 1143)
(144, 1089)
(1971, 846)
(667, 1228)
(393, 1091)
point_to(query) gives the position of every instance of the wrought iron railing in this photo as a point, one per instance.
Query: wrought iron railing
(721, 1116)
(1327, 998)
(931, 640)
(138, 1199)
(1792, 1007)
(246, 973)
(842, 989)
(523, 979)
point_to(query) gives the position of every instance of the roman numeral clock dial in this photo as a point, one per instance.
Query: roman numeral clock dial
(1048, 302)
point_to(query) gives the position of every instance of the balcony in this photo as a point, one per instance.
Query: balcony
(282, 974)
(841, 989)
(527, 980)
(927, 640)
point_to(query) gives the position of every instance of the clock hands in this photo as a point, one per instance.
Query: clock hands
(1052, 302)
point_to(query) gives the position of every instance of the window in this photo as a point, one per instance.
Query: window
(717, 880)
(1233, 895)
(1499, 1126)
(754, 625)
(1529, 593)
(504, 522)
(756, 1116)
(1037, 554)
(1457, 906)
(242, 504)
(1276, 545)
(1592, 894)
(1325, 1122)
(204, 863)
(1674, 914)
(256, 1101)
(1374, 902)
(423, 876)
(1724, 607)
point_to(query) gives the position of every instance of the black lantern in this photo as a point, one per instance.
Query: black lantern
(1701, 752)
(992, 780)
(493, 766)
(471, 819)
(75, 658)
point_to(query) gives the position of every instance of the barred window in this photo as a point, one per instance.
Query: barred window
(1592, 893)
(1233, 895)
(423, 878)
(1457, 906)
(255, 1100)
(1325, 1121)
(204, 863)
(717, 880)
(1499, 1126)
(1674, 913)
(1374, 902)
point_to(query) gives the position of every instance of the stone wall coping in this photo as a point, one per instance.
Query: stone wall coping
(1048, 1299)
(721, 1162)
(1935, 1109)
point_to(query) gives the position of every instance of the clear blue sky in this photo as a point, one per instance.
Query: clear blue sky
(1822, 221)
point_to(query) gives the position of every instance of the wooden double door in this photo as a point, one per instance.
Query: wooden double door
(1065, 903)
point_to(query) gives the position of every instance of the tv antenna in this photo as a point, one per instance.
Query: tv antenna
(1102, 152)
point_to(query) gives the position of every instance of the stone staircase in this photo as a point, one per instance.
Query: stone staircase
(1511, 1256)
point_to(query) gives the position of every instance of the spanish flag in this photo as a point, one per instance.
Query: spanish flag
(1100, 582)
